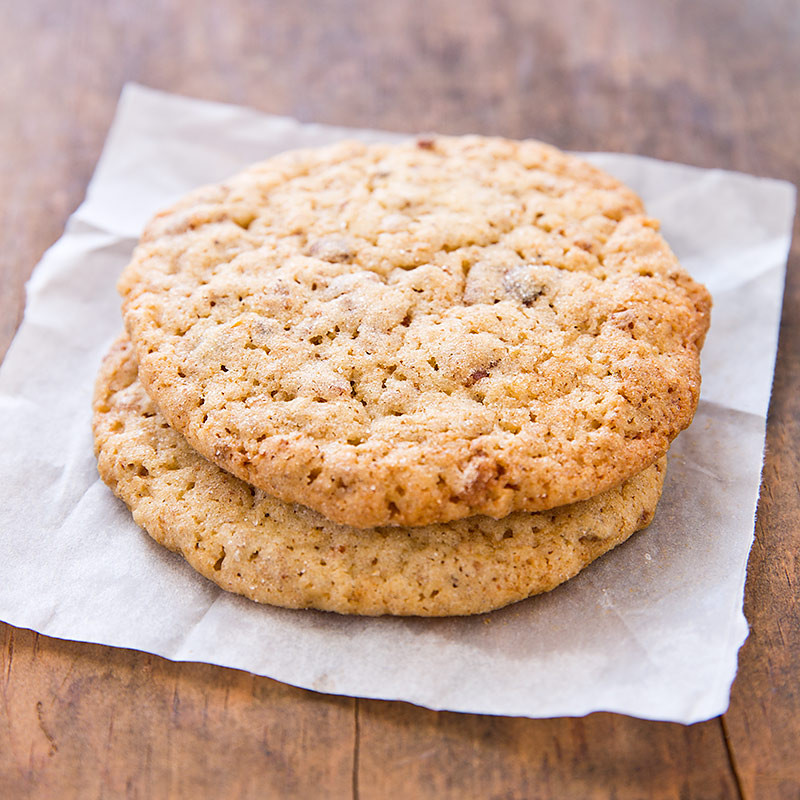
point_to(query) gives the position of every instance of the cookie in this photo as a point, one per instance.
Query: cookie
(407, 334)
(273, 552)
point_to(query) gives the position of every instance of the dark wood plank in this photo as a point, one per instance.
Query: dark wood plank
(84, 721)
(763, 722)
(602, 755)
(711, 83)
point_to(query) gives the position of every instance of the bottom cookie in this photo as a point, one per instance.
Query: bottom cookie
(287, 555)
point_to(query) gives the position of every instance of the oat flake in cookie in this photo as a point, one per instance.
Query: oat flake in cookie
(405, 334)
(273, 552)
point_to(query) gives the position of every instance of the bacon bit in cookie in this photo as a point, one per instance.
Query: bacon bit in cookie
(476, 376)
(479, 374)
(426, 142)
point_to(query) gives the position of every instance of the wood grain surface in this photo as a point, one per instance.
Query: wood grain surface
(712, 83)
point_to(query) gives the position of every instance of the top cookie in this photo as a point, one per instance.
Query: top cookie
(405, 334)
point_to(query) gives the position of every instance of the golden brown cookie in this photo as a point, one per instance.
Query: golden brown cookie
(406, 334)
(287, 555)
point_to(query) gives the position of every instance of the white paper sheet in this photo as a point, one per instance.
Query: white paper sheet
(650, 630)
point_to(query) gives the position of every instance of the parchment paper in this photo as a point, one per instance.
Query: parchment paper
(650, 630)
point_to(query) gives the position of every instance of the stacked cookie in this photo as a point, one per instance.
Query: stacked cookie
(432, 378)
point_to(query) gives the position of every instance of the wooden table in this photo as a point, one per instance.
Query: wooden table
(712, 83)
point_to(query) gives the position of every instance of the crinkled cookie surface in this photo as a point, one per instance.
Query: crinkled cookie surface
(287, 555)
(407, 334)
